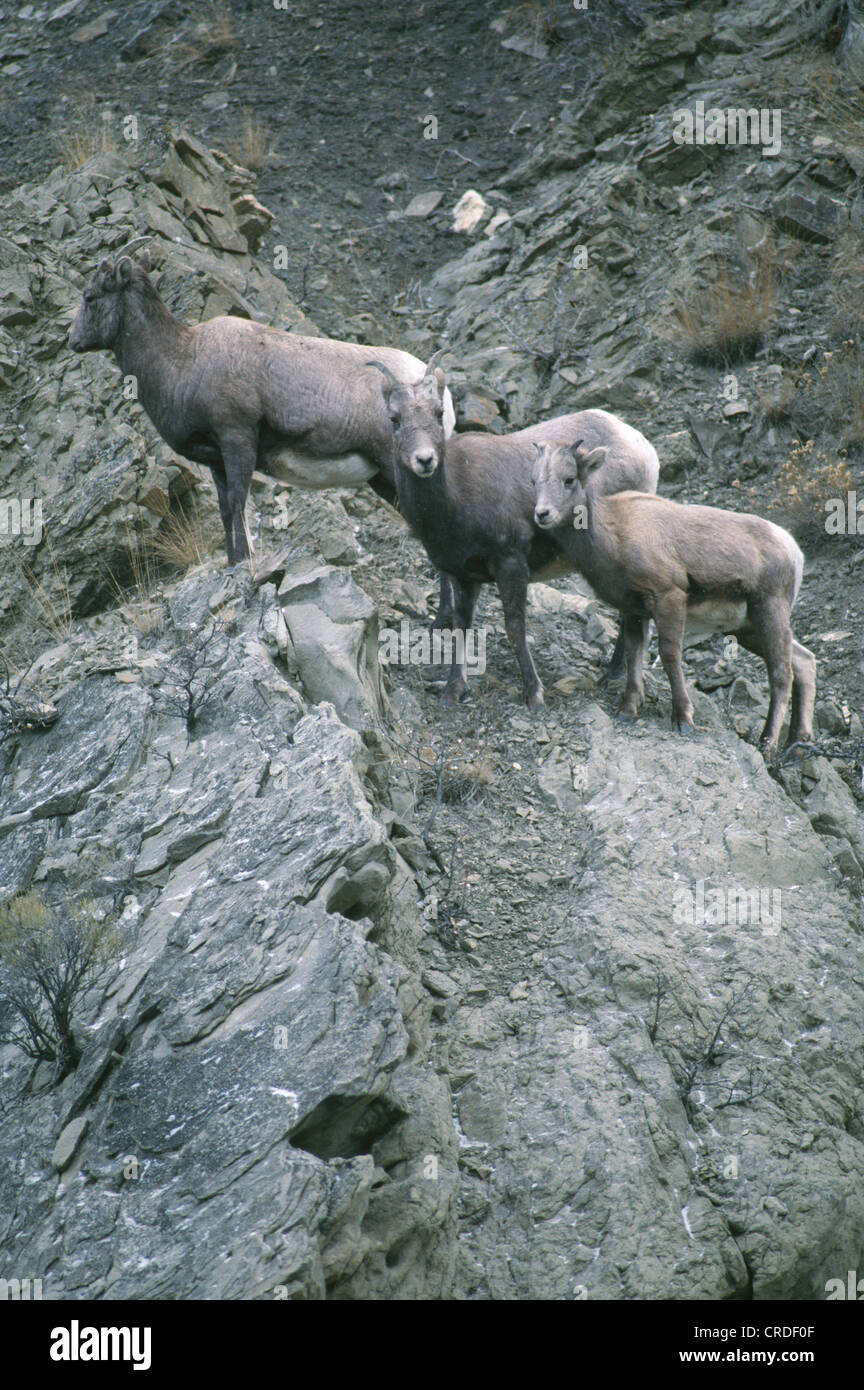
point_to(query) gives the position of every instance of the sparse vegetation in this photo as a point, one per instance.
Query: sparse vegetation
(211, 37)
(92, 136)
(50, 956)
(728, 319)
(250, 146)
(197, 655)
(807, 480)
(184, 539)
(52, 607)
(829, 397)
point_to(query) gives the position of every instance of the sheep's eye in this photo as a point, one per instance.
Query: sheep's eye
(89, 296)
(394, 419)
(568, 482)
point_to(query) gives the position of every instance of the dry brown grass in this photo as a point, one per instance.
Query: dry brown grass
(728, 319)
(808, 479)
(829, 396)
(250, 146)
(52, 607)
(91, 137)
(213, 35)
(183, 540)
(846, 288)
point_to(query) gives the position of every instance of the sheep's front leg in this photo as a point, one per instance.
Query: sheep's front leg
(617, 664)
(670, 615)
(464, 600)
(633, 637)
(445, 617)
(511, 577)
(239, 449)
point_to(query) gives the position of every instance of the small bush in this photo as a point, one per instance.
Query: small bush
(50, 956)
(807, 480)
(829, 396)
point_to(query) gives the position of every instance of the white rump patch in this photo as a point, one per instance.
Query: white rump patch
(715, 615)
(311, 472)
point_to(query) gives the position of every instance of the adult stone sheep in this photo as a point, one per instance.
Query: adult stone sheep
(693, 567)
(237, 395)
(469, 500)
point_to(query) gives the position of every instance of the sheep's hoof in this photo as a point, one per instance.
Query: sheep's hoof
(625, 716)
(442, 622)
(535, 700)
(683, 726)
(454, 694)
(796, 751)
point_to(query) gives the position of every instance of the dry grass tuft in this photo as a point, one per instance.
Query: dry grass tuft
(52, 608)
(250, 147)
(212, 36)
(728, 319)
(183, 540)
(75, 147)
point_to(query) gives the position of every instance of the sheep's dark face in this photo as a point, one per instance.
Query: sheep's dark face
(100, 318)
(559, 477)
(417, 417)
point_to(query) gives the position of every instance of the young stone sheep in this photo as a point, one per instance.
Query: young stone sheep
(699, 567)
(236, 395)
(470, 502)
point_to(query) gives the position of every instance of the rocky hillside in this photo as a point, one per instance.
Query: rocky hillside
(386, 999)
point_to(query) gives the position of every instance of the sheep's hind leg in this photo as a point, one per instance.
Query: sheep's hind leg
(770, 637)
(239, 455)
(670, 615)
(803, 695)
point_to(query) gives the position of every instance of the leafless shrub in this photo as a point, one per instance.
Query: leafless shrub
(198, 653)
(50, 956)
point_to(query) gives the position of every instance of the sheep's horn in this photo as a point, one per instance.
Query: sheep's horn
(433, 360)
(386, 370)
(133, 242)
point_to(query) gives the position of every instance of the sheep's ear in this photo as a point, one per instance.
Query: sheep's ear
(589, 463)
(123, 270)
(439, 380)
(145, 261)
(106, 267)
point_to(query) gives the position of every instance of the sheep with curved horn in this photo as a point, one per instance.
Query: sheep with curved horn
(469, 500)
(237, 395)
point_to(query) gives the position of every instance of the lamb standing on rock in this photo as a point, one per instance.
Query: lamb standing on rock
(237, 395)
(683, 566)
(469, 500)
